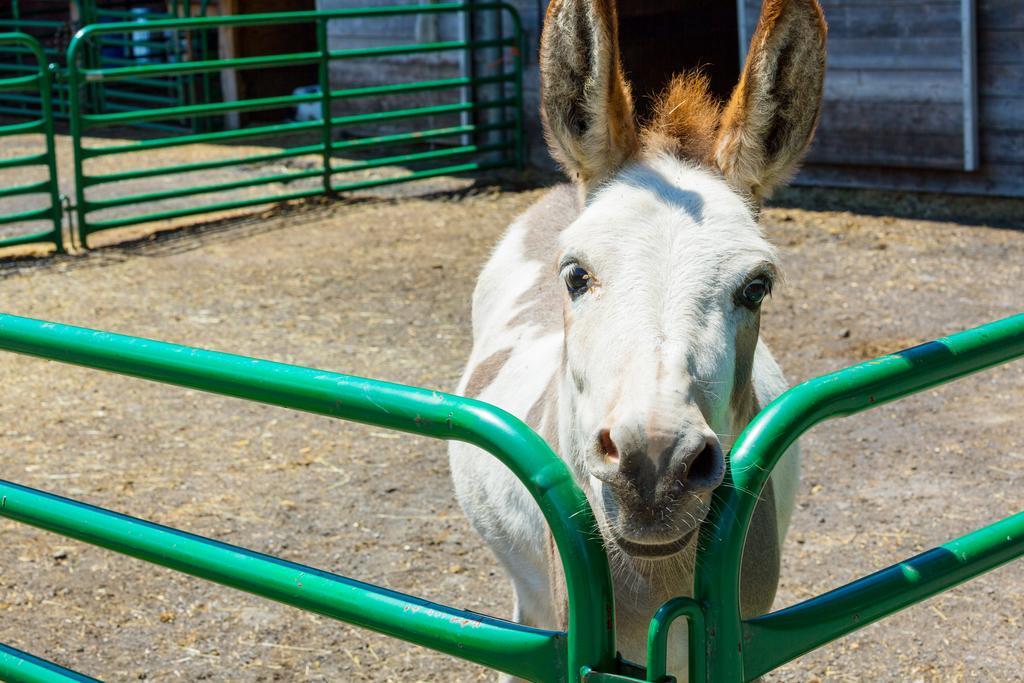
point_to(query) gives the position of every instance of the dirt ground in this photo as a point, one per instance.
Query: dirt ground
(382, 289)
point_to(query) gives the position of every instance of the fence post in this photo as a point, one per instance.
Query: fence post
(470, 117)
(520, 62)
(46, 75)
(75, 120)
(38, 85)
(324, 76)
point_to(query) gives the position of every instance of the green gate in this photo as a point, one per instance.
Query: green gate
(48, 22)
(724, 647)
(478, 125)
(39, 131)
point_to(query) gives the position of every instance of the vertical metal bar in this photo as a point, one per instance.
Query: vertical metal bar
(657, 639)
(742, 29)
(520, 136)
(324, 76)
(968, 39)
(46, 93)
(18, 57)
(468, 59)
(97, 91)
(207, 77)
(75, 116)
(499, 23)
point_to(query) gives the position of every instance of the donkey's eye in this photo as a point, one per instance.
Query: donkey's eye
(577, 281)
(755, 291)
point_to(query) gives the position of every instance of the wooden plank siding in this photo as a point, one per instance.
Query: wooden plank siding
(894, 89)
(868, 140)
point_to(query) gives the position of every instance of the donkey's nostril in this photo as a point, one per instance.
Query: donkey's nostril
(707, 468)
(606, 446)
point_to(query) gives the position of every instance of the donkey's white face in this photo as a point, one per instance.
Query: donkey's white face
(664, 273)
(665, 269)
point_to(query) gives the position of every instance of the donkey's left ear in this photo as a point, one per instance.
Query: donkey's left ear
(585, 99)
(771, 116)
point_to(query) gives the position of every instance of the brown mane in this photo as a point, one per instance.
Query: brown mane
(686, 117)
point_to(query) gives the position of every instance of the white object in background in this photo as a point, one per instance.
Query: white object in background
(140, 51)
(308, 111)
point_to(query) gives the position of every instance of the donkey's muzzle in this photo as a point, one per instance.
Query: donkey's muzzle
(659, 484)
(658, 465)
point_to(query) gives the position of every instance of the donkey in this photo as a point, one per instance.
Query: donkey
(619, 317)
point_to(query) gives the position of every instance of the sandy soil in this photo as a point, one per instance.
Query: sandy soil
(382, 289)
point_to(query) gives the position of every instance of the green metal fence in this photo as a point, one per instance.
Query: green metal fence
(49, 22)
(733, 649)
(456, 138)
(136, 46)
(37, 134)
(530, 653)
(54, 22)
(724, 647)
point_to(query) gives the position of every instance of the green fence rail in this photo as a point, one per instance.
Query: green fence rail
(138, 46)
(735, 649)
(479, 128)
(533, 654)
(36, 134)
(724, 647)
(22, 667)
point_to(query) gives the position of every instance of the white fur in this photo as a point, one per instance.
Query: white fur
(669, 244)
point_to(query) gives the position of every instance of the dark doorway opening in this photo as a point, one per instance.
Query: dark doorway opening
(660, 38)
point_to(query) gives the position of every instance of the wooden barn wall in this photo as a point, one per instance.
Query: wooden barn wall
(894, 87)
(882, 130)
(1000, 83)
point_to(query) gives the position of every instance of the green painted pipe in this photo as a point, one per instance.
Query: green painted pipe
(361, 143)
(419, 86)
(31, 188)
(532, 654)
(24, 128)
(21, 667)
(775, 639)
(657, 638)
(28, 160)
(183, 68)
(100, 204)
(83, 78)
(19, 82)
(201, 138)
(418, 175)
(766, 439)
(395, 50)
(211, 109)
(97, 225)
(591, 635)
(287, 153)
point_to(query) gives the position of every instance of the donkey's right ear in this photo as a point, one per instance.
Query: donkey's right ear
(770, 119)
(585, 100)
